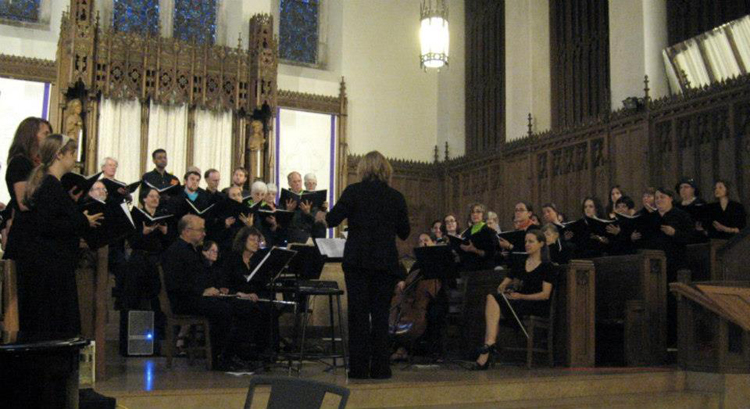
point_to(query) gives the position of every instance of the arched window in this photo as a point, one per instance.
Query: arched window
(140, 16)
(26, 11)
(298, 31)
(195, 21)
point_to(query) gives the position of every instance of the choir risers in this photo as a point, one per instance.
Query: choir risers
(631, 290)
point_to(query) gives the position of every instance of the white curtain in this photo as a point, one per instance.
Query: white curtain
(120, 137)
(691, 62)
(167, 129)
(741, 33)
(212, 144)
(720, 55)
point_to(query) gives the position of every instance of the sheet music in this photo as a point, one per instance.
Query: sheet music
(333, 248)
(520, 324)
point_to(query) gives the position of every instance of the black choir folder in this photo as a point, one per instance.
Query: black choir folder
(272, 264)
(171, 190)
(114, 185)
(198, 212)
(116, 224)
(316, 197)
(283, 217)
(149, 220)
(516, 237)
(72, 180)
(230, 208)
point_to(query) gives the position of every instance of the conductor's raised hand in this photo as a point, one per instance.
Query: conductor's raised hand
(93, 218)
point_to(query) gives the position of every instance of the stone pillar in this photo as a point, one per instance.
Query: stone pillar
(637, 35)
(527, 67)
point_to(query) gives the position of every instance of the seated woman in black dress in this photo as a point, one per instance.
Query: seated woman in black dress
(536, 277)
(479, 254)
(725, 217)
(237, 267)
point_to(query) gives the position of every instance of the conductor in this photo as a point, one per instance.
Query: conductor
(376, 214)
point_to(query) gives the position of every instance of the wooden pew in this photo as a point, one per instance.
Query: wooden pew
(574, 324)
(733, 259)
(708, 339)
(634, 286)
(702, 260)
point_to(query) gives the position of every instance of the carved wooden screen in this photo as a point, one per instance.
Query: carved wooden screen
(579, 48)
(485, 75)
(688, 18)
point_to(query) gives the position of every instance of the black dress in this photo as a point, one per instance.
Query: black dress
(733, 216)
(531, 282)
(484, 239)
(19, 169)
(47, 292)
(376, 214)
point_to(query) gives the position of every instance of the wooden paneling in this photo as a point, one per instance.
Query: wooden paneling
(705, 135)
(485, 75)
(579, 51)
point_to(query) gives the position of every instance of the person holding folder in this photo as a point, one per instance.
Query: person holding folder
(479, 252)
(532, 297)
(47, 292)
(377, 213)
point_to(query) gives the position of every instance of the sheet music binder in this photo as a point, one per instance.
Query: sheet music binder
(272, 264)
(436, 262)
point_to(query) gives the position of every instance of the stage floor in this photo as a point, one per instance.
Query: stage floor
(147, 383)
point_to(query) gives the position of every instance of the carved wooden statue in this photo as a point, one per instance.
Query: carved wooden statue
(73, 121)
(257, 139)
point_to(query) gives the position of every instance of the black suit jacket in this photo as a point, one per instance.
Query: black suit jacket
(376, 214)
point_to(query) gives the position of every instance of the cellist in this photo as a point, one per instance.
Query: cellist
(418, 310)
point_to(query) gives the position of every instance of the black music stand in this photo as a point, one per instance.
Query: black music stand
(269, 270)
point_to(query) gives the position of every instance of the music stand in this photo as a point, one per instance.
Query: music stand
(268, 270)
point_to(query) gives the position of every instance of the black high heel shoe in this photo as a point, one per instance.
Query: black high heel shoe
(491, 351)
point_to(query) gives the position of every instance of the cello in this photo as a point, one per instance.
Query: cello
(408, 315)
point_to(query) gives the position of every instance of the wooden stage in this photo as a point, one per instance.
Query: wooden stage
(147, 383)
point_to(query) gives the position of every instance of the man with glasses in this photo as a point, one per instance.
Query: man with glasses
(189, 294)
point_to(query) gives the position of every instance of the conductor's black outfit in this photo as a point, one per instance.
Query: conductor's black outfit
(376, 214)
(48, 296)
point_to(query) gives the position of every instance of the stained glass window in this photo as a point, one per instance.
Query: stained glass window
(20, 10)
(140, 16)
(195, 21)
(298, 30)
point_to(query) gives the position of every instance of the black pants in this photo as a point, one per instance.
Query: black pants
(369, 296)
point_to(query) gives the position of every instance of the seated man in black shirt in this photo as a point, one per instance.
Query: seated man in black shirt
(159, 177)
(190, 292)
